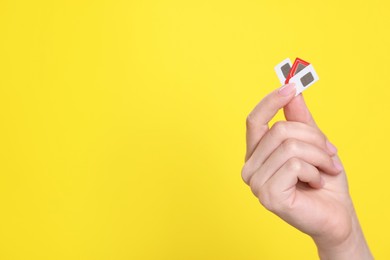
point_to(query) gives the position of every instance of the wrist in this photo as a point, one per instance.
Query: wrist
(353, 246)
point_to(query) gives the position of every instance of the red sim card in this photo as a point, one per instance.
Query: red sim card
(298, 65)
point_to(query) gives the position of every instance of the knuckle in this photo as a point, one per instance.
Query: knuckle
(265, 198)
(291, 146)
(279, 129)
(294, 165)
(256, 185)
(245, 173)
(250, 121)
(254, 188)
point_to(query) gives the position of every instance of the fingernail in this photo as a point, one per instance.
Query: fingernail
(331, 147)
(337, 165)
(287, 89)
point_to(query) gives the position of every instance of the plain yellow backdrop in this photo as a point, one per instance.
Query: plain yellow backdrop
(122, 129)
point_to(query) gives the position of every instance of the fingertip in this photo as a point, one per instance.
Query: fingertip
(287, 90)
(337, 165)
(317, 184)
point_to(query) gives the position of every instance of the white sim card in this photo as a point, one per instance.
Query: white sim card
(301, 73)
(304, 79)
(283, 69)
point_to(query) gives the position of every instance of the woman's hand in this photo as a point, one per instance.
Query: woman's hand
(295, 172)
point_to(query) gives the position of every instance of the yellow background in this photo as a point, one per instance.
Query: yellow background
(123, 123)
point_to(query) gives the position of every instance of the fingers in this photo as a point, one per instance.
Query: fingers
(296, 110)
(291, 148)
(257, 120)
(278, 190)
(282, 131)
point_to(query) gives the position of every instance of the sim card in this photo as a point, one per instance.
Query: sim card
(301, 73)
(283, 69)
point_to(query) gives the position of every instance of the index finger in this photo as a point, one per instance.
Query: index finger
(257, 121)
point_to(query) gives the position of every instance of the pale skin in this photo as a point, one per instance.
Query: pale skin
(295, 172)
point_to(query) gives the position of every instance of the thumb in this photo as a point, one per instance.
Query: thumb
(296, 110)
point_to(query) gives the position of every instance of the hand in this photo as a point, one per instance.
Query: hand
(295, 172)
